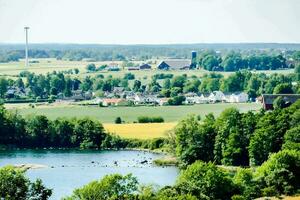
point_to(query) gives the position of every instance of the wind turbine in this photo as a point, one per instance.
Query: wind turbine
(26, 47)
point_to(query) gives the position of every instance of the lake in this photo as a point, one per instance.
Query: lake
(70, 169)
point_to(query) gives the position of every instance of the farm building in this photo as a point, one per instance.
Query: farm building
(174, 64)
(144, 66)
(268, 99)
(141, 67)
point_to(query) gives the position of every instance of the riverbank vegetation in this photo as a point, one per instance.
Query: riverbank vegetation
(278, 175)
(15, 185)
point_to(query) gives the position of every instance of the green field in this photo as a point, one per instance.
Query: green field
(129, 114)
(49, 65)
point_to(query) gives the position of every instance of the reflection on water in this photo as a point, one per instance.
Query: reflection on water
(69, 169)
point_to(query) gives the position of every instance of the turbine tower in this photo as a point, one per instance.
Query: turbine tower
(26, 47)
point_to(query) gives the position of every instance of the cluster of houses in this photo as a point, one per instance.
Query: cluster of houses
(119, 97)
(171, 64)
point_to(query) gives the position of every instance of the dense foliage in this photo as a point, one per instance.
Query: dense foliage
(236, 138)
(15, 186)
(62, 85)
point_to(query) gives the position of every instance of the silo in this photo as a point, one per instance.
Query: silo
(194, 59)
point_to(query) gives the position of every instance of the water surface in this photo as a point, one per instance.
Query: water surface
(70, 169)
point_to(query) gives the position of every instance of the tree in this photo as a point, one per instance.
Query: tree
(280, 173)
(209, 62)
(175, 101)
(205, 181)
(268, 135)
(3, 86)
(292, 139)
(15, 186)
(283, 88)
(194, 141)
(88, 133)
(91, 67)
(118, 120)
(40, 131)
(110, 187)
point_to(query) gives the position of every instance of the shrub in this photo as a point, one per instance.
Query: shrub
(145, 119)
(118, 120)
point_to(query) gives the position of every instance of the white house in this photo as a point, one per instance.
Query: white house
(145, 99)
(216, 96)
(238, 98)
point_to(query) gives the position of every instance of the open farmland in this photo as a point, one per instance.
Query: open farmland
(50, 64)
(140, 131)
(129, 114)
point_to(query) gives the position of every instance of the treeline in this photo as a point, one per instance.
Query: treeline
(255, 84)
(145, 52)
(235, 138)
(40, 132)
(234, 61)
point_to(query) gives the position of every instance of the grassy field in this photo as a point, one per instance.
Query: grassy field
(171, 115)
(49, 65)
(128, 114)
(140, 131)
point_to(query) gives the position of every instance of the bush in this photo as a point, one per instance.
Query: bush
(118, 120)
(280, 174)
(145, 119)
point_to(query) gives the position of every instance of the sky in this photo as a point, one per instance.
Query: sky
(150, 21)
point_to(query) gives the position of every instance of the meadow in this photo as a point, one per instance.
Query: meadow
(46, 65)
(107, 115)
(128, 114)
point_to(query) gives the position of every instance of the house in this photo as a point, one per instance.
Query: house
(174, 64)
(145, 67)
(216, 96)
(163, 101)
(145, 99)
(133, 68)
(112, 102)
(113, 67)
(15, 92)
(268, 99)
(238, 97)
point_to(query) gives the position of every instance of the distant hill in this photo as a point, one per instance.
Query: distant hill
(215, 46)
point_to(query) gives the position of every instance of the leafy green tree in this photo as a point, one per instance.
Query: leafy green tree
(205, 181)
(247, 186)
(3, 86)
(110, 187)
(15, 186)
(209, 62)
(268, 135)
(118, 120)
(40, 131)
(88, 133)
(91, 67)
(137, 85)
(292, 139)
(283, 88)
(280, 173)
(167, 83)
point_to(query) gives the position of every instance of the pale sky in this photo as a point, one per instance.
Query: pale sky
(150, 21)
